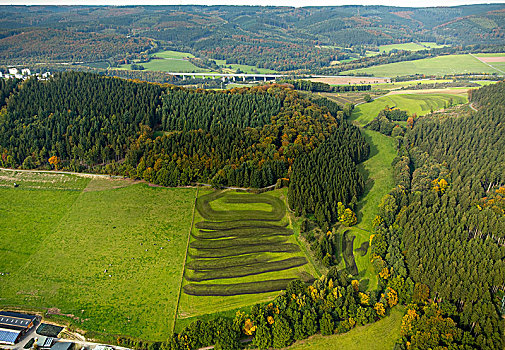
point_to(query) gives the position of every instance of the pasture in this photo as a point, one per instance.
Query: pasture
(169, 65)
(242, 251)
(410, 46)
(232, 68)
(173, 54)
(378, 176)
(419, 103)
(439, 66)
(380, 335)
(105, 255)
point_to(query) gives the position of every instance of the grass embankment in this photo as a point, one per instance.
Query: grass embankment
(441, 65)
(420, 104)
(241, 244)
(109, 258)
(381, 335)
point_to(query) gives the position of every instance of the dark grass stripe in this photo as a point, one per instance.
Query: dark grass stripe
(235, 251)
(243, 232)
(235, 242)
(236, 288)
(248, 270)
(234, 224)
(215, 264)
(348, 254)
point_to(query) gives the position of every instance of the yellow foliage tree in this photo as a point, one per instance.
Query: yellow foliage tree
(249, 327)
(379, 308)
(391, 297)
(364, 298)
(355, 285)
(55, 161)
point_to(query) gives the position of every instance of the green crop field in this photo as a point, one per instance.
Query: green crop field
(173, 54)
(419, 103)
(242, 251)
(243, 67)
(405, 46)
(441, 65)
(106, 253)
(169, 65)
(381, 335)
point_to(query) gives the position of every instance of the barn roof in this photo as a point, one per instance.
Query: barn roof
(14, 320)
(8, 336)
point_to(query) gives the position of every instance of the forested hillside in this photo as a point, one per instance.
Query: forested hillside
(248, 137)
(444, 224)
(265, 37)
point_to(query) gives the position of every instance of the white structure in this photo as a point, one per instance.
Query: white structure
(13, 71)
(26, 71)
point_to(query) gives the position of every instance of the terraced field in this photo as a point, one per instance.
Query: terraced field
(240, 244)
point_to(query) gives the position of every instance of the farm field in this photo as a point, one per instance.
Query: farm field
(242, 251)
(408, 46)
(169, 65)
(381, 335)
(351, 97)
(173, 54)
(441, 65)
(243, 67)
(419, 103)
(108, 254)
(404, 85)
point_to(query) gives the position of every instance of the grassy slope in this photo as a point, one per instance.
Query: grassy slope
(380, 335)
(379, 181)
(117, 232)
(190, 306)
(420, 104)
(430, 66)
(169, 65)
(173, 54)
(244, 68)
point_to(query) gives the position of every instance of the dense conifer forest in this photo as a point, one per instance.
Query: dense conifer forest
(167, 135)
(443, 226)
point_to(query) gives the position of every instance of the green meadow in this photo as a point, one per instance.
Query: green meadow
(420, 104)
(441, 65)
(108, 254)
(243, 67)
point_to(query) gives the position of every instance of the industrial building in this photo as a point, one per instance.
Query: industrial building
(14, 325)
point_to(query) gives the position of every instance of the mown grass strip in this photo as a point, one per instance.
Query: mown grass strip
(246, 232)
(216, 264)
(207, 212)
(236, 288)
(235, 242)
(234, 224)
(248, 270)
(235, 251)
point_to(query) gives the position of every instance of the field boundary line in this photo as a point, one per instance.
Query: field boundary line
(486, 63)
(185, 259)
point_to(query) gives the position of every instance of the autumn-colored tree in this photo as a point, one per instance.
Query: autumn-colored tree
(391, 297)
(421, 293)
(380, 309)
(410, 122)
(55, 161)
